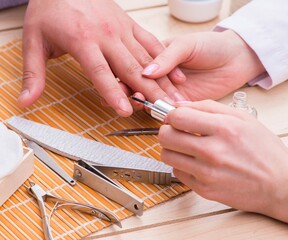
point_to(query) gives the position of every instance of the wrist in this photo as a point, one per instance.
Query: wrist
(245, 55)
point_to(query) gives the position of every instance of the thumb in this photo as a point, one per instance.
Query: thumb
(167, 60)
(34, 64)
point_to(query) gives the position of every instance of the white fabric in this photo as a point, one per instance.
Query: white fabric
(263, 25)
(11, 151)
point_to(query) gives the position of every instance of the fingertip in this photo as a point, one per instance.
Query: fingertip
(124, 108)
(150, 69)
(28, 96)
(177, 76)
(137, 105)
(23, 99)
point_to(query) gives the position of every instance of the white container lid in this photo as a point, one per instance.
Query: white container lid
(195, 10)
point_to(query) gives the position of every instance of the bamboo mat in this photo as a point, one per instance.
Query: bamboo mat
(70, 103)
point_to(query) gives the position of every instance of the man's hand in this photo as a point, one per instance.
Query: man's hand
(102, 38)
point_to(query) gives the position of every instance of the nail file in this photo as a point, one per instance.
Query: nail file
(76, 147)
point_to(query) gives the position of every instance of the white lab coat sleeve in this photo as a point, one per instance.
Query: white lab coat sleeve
(263, 25)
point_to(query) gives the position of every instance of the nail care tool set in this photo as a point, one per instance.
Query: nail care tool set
(96, 165)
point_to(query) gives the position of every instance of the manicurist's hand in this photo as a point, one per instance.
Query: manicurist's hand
(226, 155)
(215, 64)
(102, 38)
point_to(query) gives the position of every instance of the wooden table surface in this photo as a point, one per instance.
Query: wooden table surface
(188, 216)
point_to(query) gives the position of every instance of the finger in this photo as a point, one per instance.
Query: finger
(128, 91)
(190, 144)
(166, 42)
(167, 60)
(170, 89)
(186, 163)
(144, 59)
(34, 63)
(154, 48)
(129, 71)
(98, 71)
(211, 106)
(205, 190)
(137, 105)
(188, 179)
(194, 121)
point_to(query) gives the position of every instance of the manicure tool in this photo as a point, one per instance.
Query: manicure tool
(159, 109)
(94, 178)
(104, 159)
(45, 158)
(76, 147)
(134, 131)
(41, 196)
(138, 175)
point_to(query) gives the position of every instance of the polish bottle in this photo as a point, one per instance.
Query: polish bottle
(195, 11)
(240, 102)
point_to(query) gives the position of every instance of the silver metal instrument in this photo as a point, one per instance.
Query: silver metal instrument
(138, 175)
(96, 162)
(41, 196)
(134, 131)
(92, 177)
(159, 109)
(76, 147)
(41, 154)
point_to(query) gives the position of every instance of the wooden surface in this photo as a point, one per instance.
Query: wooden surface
(188, 216)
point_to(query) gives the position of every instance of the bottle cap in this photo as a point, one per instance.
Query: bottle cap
(195, 10)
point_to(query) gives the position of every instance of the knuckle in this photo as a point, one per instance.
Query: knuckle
(210, 175)
(98, 68)
(206, 191)
(153, 41)
(29, 75)
(177, 116)
(81, 34)
(107, 29)
(215, 157)
(145, 59)
(133, 69)
(162, 58)
(231, 129)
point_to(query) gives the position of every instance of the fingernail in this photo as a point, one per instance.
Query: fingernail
(184, 102)
(178, 97)
(104, 103)
(24, 94)
(179, 73)
(169, 100)
(124, 105)
(150, 69)
(165, 121)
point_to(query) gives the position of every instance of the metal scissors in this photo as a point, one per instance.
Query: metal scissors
(41, 196)
(134, 131)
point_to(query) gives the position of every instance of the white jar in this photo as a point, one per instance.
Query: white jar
(195, 10)
(236, 4)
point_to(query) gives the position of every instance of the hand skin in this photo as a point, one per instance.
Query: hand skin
(102, 38)
(233, 159)
(215, 64)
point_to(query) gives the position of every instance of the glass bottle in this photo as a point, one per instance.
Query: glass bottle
(240, 102)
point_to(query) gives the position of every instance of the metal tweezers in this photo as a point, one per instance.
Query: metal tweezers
(134, 131)
(41, 196)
